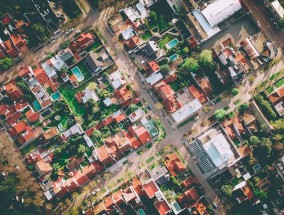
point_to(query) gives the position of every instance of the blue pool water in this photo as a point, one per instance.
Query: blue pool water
(55, 96)
(141, 212)
(173, 57)
(76, 71)
(36, 105)
(172, 43)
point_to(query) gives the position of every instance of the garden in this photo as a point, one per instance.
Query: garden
(166, 39)
(160, 16)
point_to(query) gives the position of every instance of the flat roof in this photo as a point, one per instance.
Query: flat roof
(220, 10)
(278, 8)
(154, 78)
(219, 150)
(186, 111)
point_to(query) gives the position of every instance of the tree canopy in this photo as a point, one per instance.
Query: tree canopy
(5, 64)
(205, 59)
(220, 114)
(191, 65)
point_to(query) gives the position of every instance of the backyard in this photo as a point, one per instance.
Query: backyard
(166, 39)
(95, 46)
(164, 15)
(146, 35)
(83, 70)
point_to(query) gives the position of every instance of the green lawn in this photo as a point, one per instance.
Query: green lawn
(30, 147)
(83, 70)
(96, 45)
(68, 94)
(279, 83)
(166, 38)
(147, 35)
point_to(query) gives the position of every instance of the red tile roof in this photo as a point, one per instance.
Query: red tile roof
(152, 67)
(123, 95)
(172, 104)
(277, 96)
(13, 91)
(19, 127)
(162, 207)
(142, 134)
(21, 105)
(24, 71)
(137, 186)
(32, 116)
(118, 118)
(12, 119)
(189, 182)
(3, 108)
(109, 204)
(18, 41)
(133, 140)
(174, 164)
(6, 19)
(41, 75)
(103, 155)
(80, 178)
(11, 49)
(133, 42)
(150, 189)
(170, 78)
(206, 87)
(198, 94)
(166, 92)
(25, 137)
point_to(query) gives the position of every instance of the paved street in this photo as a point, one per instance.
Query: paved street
(264, 22)
(174, 137)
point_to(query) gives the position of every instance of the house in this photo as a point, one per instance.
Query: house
(128, 32)
(32, 116)
(58, 63)
(280, 167)
(9, 48)
(162, 207)
(249, 48)
(84, 40)
(152, 67)
(103, 155)
(43, 166)
(242, 192)
(94, 61)
(66, 55)
(189, 182)
(150, 189)
(141, 133)
(48, 134)
(123, 95)
(164, 90)
(49, 69)
(136, 115)
(19, 42)
(130, 196)
(80, 178)
(133, 42)
(19, 128)
(154, 78)
(13, 91)
(174, 164)
(109, 205)
(159, 174)
(26, 137)
(277, 100)
(151, 49)
(189, 198)
(122, 141)
(205, 85)
(40, 75)
(116, 80)
(198, 94)
(186, 111)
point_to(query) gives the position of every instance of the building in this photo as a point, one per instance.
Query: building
(123, 95)
(220, 10)
(213, 150)
(242, 192)
(13, 91)
(275, 8)
(277, 100)
(94, 61)
(116, 79)
(84, 40)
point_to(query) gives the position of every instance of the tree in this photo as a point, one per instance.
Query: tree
(81, 150)
(6, 63)
(278, 124)
(153, 17)
(133, 107)
(242, 108)
(260, 194)
(40, 31)
(254, 140)
(165, 68)
(220, 114)
(63, 70)
(235, 91)
(265, 106)
(105, 93)
(281, 23)
(92, 86)
(185, 50)
(191, 65)
(227, 190)
(205, 59)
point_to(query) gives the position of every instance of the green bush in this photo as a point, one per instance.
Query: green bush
(235, 91)
(265, 107)
(5, 64)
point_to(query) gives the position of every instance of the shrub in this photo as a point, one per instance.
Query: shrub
(265, 107)
(5, 64)
(235, 91)
(220, 114)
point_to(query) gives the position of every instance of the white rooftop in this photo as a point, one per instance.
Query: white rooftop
(89, 94)
(57, 62)
(129, 32)
(117, 80)
(186, 111)
(134, 116)
(154, 78)
(218, 149)
(131, 13)
(278, 8)
(48, 69)
(220, 10)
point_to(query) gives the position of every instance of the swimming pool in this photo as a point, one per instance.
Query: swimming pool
(36, 105)
(172, 43)
(55, 96)
(76, 71)
(141, 212)
(173, 57)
